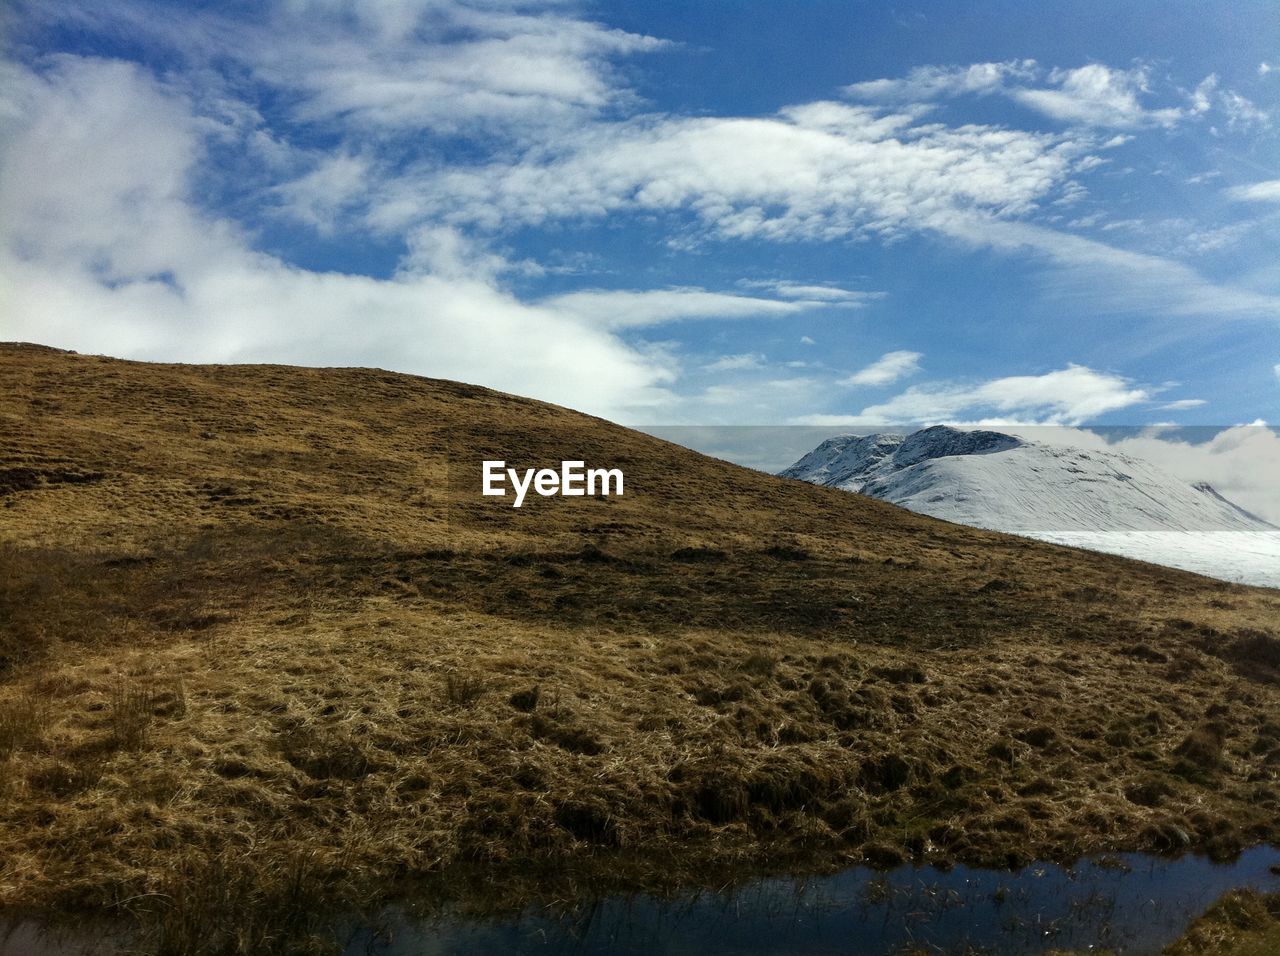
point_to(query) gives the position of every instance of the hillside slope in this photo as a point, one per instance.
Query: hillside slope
(263, 641)
(1093, 499)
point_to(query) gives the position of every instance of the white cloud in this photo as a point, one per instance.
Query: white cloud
(1096, 95)
(798, 175)
(627, 309)
(86, 157)
(396, 66)
(806, 340)
(450, 254)
(820, 173)
(1086, 222)
(1069, 396)
(1201, 98)
(1103, 279)
(1090, 95)
(1241, 113)
(1093, 95)
(1266, 191)
(248, 308)
(1177, 236)
(1182, 404)
(756, 397)
(335, 183)
(734, 363)
(886, 370)
(933, 82)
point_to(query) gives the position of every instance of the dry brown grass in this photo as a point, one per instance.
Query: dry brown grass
(285, 656)
(1242, 923)
(22, 721)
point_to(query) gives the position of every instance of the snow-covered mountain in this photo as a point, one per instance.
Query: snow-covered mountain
(1105, 501)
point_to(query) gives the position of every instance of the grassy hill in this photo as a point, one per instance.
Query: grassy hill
(263, 643)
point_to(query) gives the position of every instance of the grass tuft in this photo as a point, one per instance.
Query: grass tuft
(130, 714)
(22, 721)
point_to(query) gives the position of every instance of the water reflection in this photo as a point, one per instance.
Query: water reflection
(1127, 903)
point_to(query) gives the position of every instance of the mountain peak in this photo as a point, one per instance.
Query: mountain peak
(943, 441)
(1090, 498)
(851, 461)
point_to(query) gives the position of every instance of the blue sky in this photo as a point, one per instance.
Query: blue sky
(702, 213)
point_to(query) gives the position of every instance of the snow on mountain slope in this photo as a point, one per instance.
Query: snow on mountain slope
(1104, 501)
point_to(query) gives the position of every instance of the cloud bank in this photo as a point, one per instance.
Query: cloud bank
(102, 250)
(133, 202)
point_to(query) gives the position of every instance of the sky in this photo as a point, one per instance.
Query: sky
(704, 213)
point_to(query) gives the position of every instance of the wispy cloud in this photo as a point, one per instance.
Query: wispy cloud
(1096, 95)
(886, 370)
(734, 363)
(1066, 396)
(1093, 95)
(503, 67)
(1241, 112)
(818, 172)
(756, 396)
(1104, 279)
(816, 293)
(1179, 236)
(1266, 191)
(827, 171)
(318, 198)
(628, 309)
(925, 83)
